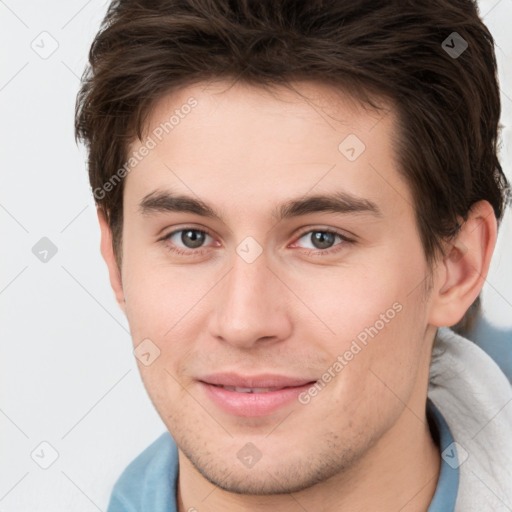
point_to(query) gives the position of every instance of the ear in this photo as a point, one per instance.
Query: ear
(107, 251)
(462, 272)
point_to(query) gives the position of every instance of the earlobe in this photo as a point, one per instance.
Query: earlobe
(463, 270)
(107, 251)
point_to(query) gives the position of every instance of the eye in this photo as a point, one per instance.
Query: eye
(322, 240)
(190, 241)
(186, 238)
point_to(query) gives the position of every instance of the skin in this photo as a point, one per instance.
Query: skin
(363, 442)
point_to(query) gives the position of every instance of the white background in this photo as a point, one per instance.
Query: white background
(68, 376)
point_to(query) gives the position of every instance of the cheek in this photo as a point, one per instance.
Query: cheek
(160, 298)
(375, 372)
(378, 319)
(351, 299)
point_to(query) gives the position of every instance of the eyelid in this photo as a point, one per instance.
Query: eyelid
(186, 228)
(322, 228)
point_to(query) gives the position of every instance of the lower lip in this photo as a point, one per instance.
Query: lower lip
(252, 404)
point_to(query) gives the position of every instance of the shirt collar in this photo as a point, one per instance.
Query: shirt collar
(446, 491)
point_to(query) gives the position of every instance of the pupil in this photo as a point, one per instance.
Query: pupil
(192, 238)
(322, 240)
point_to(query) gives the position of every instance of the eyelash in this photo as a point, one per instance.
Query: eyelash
(309, 252)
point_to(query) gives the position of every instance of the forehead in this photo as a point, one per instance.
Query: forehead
(222, 140)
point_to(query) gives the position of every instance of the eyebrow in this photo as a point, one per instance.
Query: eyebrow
(336, 202)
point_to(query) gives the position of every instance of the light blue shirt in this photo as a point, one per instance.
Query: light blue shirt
(149, 481)
(448, 484)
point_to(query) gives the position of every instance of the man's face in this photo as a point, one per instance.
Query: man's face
(275, 290)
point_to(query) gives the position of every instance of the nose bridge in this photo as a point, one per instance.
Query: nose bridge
(248, 289)
(250, 305)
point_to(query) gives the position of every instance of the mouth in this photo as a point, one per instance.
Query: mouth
(245, 396)
(249, 390)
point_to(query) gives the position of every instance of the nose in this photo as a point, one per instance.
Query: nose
(251, 306)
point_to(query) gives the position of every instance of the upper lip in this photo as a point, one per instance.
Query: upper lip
(266, 380)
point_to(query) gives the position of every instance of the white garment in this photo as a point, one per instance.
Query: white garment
(475, 398)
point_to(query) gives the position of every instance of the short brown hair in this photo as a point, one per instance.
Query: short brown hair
(447, 106)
